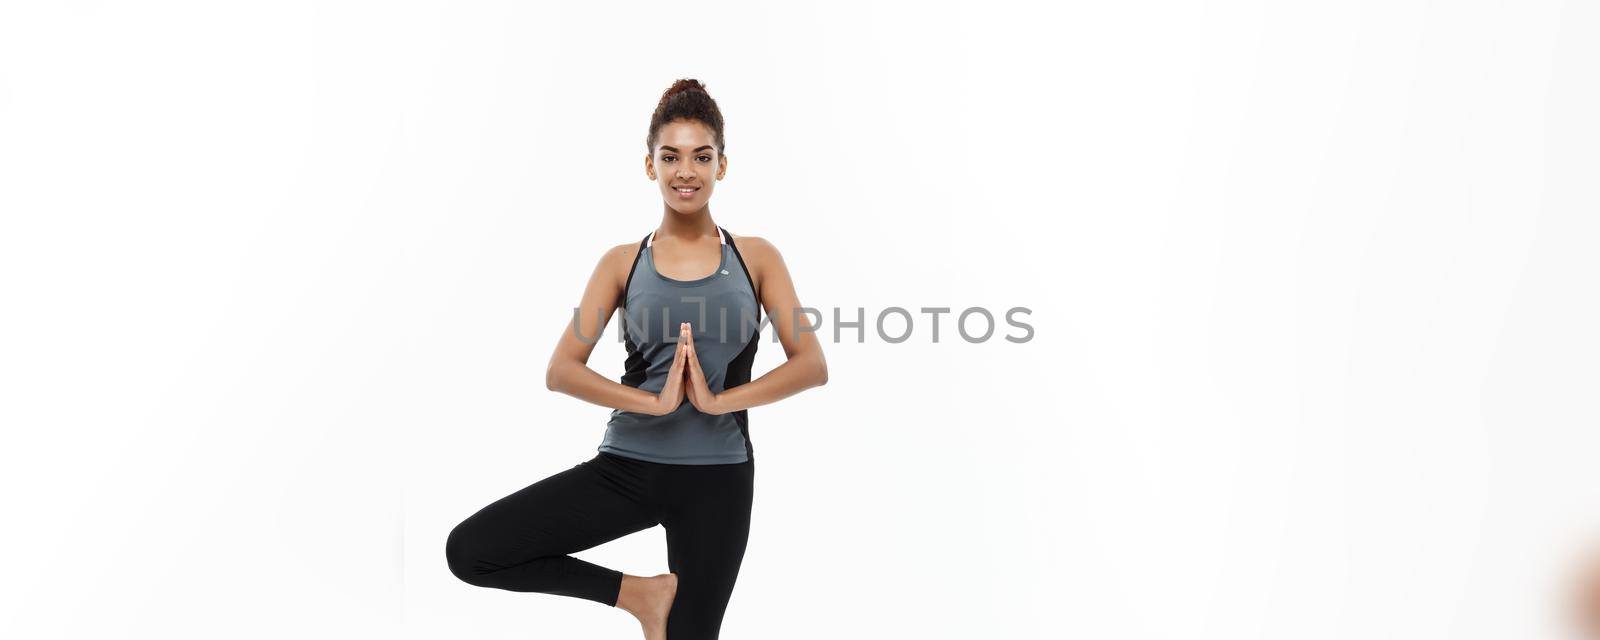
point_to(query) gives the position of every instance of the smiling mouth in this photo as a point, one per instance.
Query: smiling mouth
(686, 191)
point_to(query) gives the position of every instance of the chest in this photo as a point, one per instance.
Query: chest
(719, 303)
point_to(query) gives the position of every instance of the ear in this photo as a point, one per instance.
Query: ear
(722, 166)
(650, 166)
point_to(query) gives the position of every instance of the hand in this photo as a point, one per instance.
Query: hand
(696, 389)
(672, 393)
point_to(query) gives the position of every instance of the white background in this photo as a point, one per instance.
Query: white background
(1313, 288)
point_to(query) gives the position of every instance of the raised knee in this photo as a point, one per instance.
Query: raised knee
(458, 554)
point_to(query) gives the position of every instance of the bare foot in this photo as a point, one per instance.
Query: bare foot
(649, 600)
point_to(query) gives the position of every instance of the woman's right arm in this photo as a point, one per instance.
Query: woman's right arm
(569, 370)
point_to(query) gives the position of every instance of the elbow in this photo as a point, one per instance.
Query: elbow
(822, 373)
(552, 377)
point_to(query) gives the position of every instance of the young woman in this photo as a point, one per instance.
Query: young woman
(677, 448)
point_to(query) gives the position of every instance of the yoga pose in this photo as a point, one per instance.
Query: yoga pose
(677, 449)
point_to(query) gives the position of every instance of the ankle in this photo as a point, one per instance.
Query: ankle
(628, 593)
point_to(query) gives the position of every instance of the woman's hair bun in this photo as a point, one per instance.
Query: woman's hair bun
(682, 85)
(686, 99)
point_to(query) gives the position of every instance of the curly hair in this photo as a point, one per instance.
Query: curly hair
(686, 99)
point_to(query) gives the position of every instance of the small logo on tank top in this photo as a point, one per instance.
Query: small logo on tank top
(724, 272)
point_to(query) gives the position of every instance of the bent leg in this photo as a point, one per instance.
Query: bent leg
(520, 542)
(707, 530)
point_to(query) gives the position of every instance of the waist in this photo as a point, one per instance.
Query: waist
(685, 436)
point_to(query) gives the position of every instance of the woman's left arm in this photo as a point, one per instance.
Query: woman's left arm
(804, 367)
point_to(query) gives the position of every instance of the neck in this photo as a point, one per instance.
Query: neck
(686, 226)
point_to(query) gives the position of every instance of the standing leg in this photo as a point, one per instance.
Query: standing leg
(520, 542)
(708, 524)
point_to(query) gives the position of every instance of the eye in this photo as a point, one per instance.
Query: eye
(667, 158)
(705, 158)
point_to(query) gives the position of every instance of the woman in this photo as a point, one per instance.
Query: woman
(677, 448)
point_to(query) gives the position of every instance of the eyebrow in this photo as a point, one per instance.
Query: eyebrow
(675, 149)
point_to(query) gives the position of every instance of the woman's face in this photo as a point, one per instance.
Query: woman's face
(685, 164)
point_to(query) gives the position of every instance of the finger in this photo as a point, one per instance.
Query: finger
(696, 375)
(678, 358)
(684, 381)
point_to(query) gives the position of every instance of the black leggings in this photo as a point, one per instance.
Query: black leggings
(520, 542)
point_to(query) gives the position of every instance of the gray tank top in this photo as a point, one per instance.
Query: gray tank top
(725, 317)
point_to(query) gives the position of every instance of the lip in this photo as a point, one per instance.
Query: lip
(686, 192)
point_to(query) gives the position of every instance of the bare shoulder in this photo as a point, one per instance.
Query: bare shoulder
(624, 251)
(619, 259)
(755, 249)
(760, 257)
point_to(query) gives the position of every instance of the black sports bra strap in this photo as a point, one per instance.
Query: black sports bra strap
(748, 278)
(622, 300)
